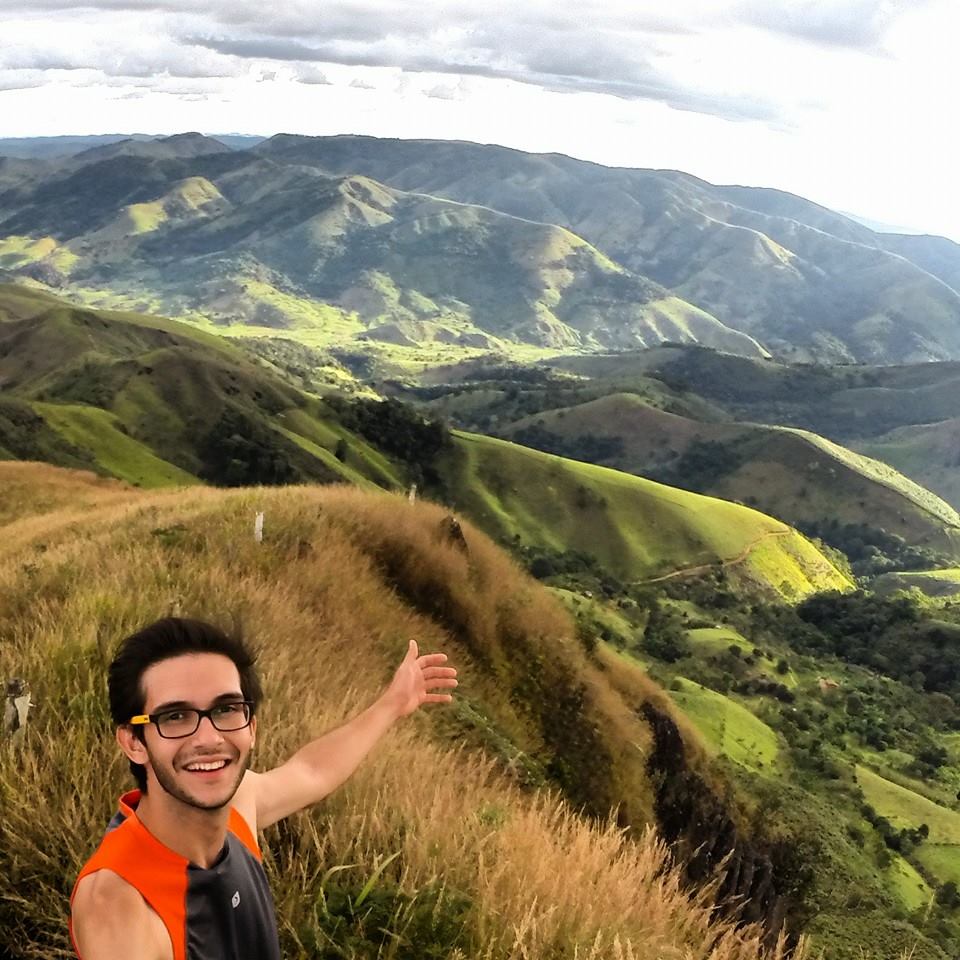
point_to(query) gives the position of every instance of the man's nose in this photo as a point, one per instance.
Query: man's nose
(207, 732)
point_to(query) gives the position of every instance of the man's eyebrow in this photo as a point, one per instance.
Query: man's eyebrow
(183, 704)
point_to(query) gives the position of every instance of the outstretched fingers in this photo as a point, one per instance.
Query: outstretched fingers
(431, 672)
(438, 698)
(432, 659)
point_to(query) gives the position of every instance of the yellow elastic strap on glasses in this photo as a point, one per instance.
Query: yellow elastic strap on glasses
(142, 718)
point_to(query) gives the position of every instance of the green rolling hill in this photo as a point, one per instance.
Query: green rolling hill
(638, 529)
(905, 416)
(158, 403)
(793, 474)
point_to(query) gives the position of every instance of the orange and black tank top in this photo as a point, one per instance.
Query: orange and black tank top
(224, 912)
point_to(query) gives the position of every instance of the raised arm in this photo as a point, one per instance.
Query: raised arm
(322, 765)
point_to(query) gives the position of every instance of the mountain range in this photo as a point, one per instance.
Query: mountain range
(388, 244)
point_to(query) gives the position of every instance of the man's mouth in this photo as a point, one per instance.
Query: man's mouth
(206, 767)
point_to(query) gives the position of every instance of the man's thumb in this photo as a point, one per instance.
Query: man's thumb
(413, 651)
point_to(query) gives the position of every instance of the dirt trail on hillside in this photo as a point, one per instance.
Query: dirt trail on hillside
(706, 567)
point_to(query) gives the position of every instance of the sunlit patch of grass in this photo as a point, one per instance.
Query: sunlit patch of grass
(100, 432)
(729, 728)
(904, 808)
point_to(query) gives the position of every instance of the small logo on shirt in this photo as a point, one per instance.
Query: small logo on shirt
(236, 900)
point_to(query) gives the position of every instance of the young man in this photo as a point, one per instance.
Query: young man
(177, 875)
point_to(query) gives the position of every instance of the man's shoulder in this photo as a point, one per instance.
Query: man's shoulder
(245, 800)
(106, 888)
(108, 913)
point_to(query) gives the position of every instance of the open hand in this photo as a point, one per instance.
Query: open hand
(417, 676)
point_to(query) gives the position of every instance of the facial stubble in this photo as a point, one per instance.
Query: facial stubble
(167, 779)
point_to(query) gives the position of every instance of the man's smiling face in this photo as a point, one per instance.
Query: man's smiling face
(197, 680)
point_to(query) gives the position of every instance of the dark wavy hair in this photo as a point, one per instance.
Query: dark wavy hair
(166, 638)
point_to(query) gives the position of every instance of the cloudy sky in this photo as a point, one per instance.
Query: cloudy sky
(847, 102)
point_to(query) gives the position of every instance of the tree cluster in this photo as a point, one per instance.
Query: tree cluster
(892, 635)
(239, 452)
(588, 448)
(872, 551)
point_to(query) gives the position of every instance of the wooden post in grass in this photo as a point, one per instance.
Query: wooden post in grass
(16, 708)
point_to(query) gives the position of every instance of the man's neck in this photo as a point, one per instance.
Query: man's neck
(198, 835)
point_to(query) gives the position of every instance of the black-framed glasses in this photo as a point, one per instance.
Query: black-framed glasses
(185, 721)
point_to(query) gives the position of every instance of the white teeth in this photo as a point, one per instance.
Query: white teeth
(208, 766)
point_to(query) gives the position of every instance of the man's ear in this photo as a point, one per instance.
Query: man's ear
(131, 745)
(253, 732)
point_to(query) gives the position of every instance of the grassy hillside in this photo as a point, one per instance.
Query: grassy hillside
(638, 529)
(157, 403)
(926, 452)
(798, 476)
(905, 416)
(472, 856)
(729, 728)
(934, 583)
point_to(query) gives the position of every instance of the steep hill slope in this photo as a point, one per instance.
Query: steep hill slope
(470, 855)
(157, 403)
(804, 281)
(928, 452)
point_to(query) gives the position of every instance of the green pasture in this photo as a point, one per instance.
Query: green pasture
(711, 640)
(906, 808)
(941, 859)
(729, 729)
(99, 432)
(636, 527)
(934, 583)
(908, 884)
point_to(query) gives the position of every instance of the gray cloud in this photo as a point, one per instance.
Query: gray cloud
(309, 73)
(266, 48)
(854, 24)
(592, 64)
(20, 80)
(445, 91)
(593, 48)
(140, 58)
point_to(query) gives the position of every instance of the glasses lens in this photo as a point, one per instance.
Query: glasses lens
(177, 723)
(230, 716)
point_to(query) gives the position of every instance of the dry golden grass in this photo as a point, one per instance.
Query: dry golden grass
(484, 868)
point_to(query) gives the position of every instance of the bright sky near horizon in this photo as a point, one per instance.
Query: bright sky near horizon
(845, 102)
